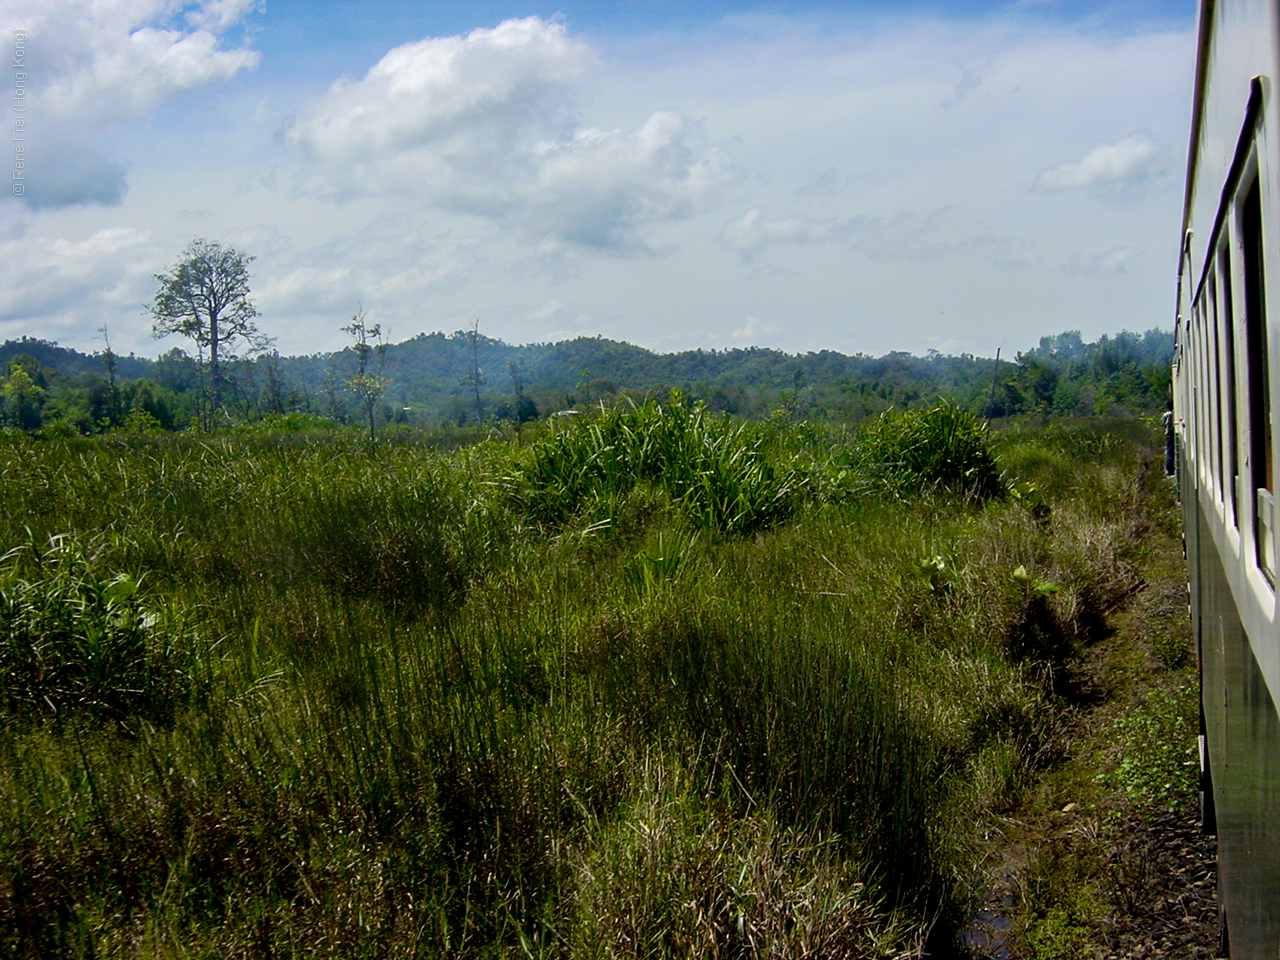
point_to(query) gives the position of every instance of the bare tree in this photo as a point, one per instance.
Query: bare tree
(367, 385)
(205, 297)
(112, 411)
(475, 376)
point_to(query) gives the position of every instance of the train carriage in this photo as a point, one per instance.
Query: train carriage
(1225, 387)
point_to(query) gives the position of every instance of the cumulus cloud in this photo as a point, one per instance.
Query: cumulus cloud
(431, 112)
(864, 163)
(1126, 161)
(600, 188)
(486, 123)
(107, 62)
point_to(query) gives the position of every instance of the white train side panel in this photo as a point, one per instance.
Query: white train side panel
(1225, 383)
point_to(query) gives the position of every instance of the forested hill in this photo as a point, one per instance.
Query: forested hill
(465, 377)
(64, 360)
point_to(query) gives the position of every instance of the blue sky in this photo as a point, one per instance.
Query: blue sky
(861, 177)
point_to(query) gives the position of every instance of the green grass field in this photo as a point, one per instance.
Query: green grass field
(656, 684)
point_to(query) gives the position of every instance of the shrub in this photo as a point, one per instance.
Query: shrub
(293, 422)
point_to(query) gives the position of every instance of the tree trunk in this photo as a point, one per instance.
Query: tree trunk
(215, 365)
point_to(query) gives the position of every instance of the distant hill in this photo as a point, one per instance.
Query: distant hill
(463, 377)
(440, 363)
(58, 359)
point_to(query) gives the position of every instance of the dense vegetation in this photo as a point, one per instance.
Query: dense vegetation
(652, 682)
(466, 379)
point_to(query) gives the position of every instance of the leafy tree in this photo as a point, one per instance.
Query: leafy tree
(205, 297)
(110, 402)
(177, 370)
(23, 396)
(31, 366)
(145, 399)
(103, 406)
(329, 390)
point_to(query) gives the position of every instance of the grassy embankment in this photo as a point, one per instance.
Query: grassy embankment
(1105, 849)
(653, 685)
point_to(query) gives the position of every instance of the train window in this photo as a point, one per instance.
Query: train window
(1230, 469)
(1202, 412)
(1261, 471)
(1205, 412)
(1197, 392)
(1216, 397)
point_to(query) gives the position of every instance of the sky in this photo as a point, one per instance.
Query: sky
(859, 176)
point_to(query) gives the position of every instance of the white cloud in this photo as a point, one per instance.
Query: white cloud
(432, 113)
(824, 188)
(1129, 160)
(308, 289)
(601, 188)
(1118, 260)
(752, 233)
(96, 64)
(486, 124)
(49, 284)
(902, 236)
(220, 15)
(754, 330)
(550, 310)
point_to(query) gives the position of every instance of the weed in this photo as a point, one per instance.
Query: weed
(1171, 650)
(673, 879)
(651, 568)
(1066, 929)
(1156, 764)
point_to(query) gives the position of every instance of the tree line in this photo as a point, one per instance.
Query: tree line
(230, 372)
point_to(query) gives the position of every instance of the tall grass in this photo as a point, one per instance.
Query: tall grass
(446, 709)
(942, 448)
(718, 473)
(74, 640)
